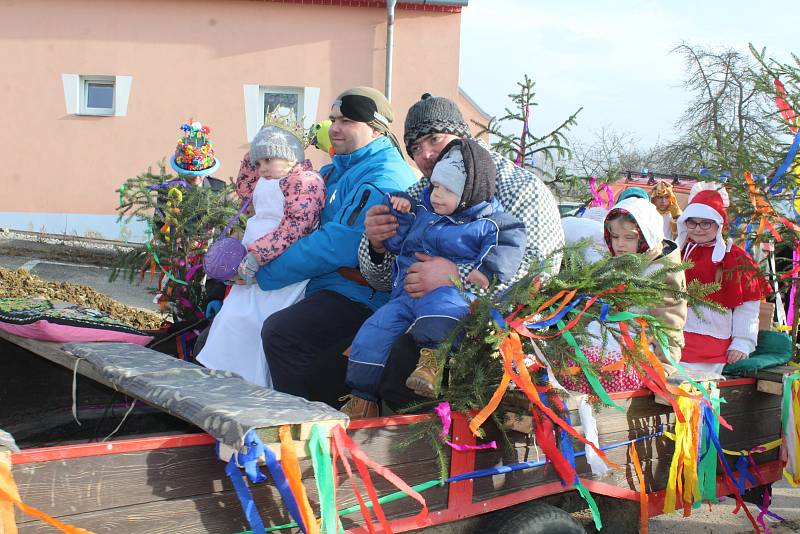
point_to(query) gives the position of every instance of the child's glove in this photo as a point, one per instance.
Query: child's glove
(248, 268)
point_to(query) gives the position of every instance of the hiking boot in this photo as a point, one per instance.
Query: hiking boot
(358, 408)
(423, 379)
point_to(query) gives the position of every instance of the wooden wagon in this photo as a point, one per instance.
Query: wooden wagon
(159, 474)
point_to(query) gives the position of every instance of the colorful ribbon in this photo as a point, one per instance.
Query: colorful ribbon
(9, 497)
(319, 448)
(443, 411)
(342, 442)
(292, 470)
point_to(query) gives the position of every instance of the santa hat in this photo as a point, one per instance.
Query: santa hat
(706, 203)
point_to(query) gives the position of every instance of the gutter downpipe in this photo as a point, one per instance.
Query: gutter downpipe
(390, 5)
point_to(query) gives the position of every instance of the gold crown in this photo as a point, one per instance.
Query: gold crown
(285, 122)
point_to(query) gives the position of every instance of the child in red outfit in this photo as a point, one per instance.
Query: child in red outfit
(727, 336)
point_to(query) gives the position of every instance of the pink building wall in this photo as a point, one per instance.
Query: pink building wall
(186, 59)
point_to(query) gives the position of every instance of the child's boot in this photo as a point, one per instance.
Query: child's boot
(423, 379)
(358, 408)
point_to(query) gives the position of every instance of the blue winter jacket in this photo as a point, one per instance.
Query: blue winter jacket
(355, 182)
(482, 235)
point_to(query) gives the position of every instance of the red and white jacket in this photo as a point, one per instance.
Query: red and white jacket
(710, 334)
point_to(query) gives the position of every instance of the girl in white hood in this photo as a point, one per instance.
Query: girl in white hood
(634, 226)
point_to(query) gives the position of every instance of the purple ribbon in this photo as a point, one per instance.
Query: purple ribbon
(443, 411)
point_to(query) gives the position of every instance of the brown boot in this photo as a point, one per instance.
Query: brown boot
(358, 408)
(423, 379)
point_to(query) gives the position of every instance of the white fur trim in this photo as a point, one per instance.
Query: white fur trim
(710, 186)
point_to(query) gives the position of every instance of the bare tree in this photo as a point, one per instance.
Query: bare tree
(727, 116)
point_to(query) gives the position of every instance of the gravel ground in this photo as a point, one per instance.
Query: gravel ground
(72, 270)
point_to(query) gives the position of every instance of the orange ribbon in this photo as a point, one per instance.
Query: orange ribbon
(9, 495)
(291, 468)
(643, 510)
(511, 347)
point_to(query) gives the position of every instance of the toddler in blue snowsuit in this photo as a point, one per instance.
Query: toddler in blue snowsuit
(457, 218)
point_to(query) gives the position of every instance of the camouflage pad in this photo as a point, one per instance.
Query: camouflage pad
(7, 441)
(219, 402)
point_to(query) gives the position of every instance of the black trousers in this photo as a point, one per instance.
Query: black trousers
(304, 345)
(402, 360)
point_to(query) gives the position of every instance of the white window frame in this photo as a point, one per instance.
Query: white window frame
(307, 101)
(84, 95)
(75, 94)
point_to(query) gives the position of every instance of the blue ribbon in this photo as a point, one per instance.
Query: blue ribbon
(743, 467)
(249, 460)
(498, 318)
(282, 484)
(557, 317)
(245, 497)
(708, 418)
(787, 161)
(538, 463)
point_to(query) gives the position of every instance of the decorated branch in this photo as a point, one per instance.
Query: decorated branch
(181, 213)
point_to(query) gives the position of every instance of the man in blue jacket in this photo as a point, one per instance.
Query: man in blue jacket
(304, 342)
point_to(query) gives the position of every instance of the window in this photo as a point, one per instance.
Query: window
(299, 102)
(288, 101)
(97, 95)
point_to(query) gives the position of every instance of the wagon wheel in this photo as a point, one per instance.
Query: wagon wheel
(533, 518)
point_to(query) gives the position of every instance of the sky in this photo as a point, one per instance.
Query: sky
(610, 57)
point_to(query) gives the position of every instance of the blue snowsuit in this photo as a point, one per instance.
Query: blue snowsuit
(482, 235)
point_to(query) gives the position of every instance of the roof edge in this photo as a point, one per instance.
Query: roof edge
(474, 104)
(441, 6)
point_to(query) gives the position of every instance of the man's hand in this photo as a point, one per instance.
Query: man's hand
(735, 356)
(429, 273)
(477, 278)
(401, 204)
(379, 225)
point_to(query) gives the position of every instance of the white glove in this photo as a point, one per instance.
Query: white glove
(248, 268)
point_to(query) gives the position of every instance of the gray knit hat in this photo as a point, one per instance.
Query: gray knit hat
(433, 114)
(274, 142)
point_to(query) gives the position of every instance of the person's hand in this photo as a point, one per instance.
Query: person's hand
(477, 278)
(213, 308)
(379, 225)
(428, 273)
(403, 205)
(735, 356)
(248, 268)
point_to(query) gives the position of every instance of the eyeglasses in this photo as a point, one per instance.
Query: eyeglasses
(705, 224)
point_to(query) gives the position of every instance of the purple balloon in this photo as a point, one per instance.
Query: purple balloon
(223, 257)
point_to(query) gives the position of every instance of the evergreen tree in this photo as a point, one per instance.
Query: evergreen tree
(181, 220)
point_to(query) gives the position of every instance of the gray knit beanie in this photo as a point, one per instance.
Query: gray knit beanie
(433, 114)
(274, 142)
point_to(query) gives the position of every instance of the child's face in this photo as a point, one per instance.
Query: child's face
(274, 167)
(701, 230)
(624, 236)
(443, 201)
(661, 202)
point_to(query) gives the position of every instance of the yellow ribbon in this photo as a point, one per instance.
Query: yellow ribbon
(683, 468)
